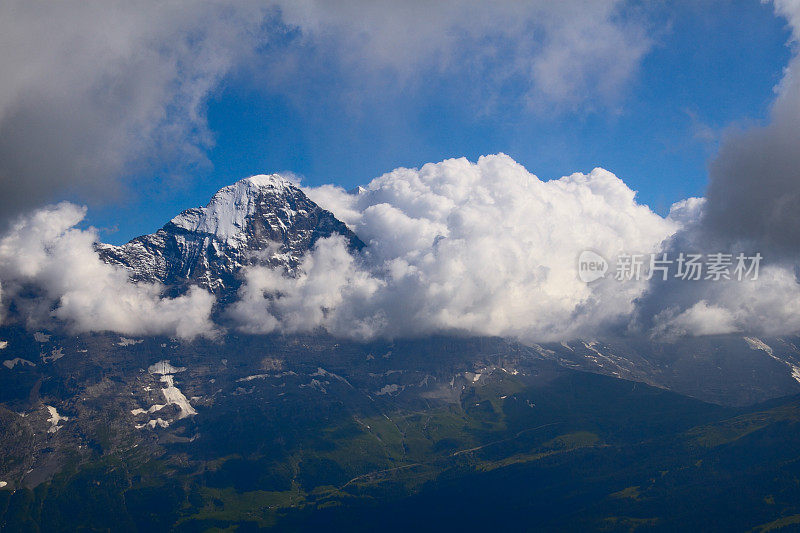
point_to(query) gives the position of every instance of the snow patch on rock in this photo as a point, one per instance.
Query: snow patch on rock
(392, 388)
(55, 354)
(474, 377)
(160, 422)
(251, 378)
(54, 419)
(11, 363)
(758, 344)
(172, 395)
(164, 368)
(123, 341)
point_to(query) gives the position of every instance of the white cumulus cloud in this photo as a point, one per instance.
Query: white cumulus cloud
(487, 248)
(51, 272)
(484, 248)
(767, 306)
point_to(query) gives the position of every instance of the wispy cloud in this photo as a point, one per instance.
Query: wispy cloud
(95, 94)
(560, 52)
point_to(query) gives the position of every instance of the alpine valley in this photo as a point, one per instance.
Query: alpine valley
(310, 431)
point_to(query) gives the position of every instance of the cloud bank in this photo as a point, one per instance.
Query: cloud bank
(51, 272)
(674, 308)
(487, 248)
(455, 247)
(484, 248)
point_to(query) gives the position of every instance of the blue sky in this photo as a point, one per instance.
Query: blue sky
(711, 66)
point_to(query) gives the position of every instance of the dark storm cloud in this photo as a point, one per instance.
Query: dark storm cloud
(754, 190)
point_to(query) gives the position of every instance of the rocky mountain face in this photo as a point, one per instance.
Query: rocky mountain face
(264, 220)
(101, 432)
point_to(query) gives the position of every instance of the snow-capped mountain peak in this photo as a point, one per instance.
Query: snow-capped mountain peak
(208, 245)
(227, 213)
